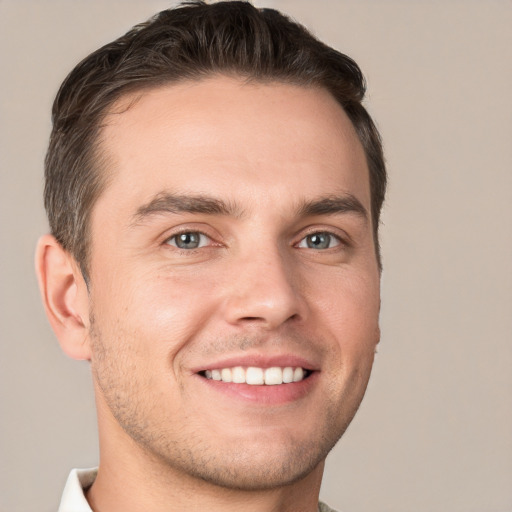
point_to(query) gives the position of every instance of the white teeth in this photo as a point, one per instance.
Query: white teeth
(254, 376)
(226, 375)
(257, 376)
(287, 375)
(273, 376)
(238, 374)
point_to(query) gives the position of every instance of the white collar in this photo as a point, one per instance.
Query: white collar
(73, 498)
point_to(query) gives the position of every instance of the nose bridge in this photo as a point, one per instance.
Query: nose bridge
(265, 288)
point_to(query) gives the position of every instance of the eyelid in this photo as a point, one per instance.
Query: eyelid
(339, 234)
(177, 231)
(175, 235)
(334, 237)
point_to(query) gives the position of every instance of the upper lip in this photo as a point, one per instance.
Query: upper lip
(259, 361)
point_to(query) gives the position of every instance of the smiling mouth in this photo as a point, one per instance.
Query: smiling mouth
(255, 376)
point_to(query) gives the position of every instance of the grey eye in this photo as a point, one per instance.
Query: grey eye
(319, 241)
(188, 240)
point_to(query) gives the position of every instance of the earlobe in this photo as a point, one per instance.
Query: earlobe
(64, 296)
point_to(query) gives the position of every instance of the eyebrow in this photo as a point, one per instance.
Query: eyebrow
(166, 202)
(332, 205)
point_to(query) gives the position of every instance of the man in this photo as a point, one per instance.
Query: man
(213, 186)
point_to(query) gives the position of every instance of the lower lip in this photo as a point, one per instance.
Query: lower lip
(264, 395)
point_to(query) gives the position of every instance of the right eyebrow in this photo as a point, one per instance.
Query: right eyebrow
(166, 202)
(333, 205)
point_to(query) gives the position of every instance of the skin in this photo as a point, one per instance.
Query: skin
(154, 313)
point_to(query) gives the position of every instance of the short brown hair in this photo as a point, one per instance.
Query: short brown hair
(189, 42)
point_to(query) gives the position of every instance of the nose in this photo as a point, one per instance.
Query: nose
(265, 291)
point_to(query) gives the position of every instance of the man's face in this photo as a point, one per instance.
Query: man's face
(234, 236)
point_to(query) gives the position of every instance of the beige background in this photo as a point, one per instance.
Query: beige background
(435, 430)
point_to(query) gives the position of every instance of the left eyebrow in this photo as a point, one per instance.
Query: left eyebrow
(166, 202)
(332, 205)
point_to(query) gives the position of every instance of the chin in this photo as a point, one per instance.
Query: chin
(263, 472)
(261, 464)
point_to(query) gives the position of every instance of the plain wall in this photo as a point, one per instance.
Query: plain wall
(434, 432)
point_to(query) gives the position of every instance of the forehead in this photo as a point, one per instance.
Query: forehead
(226, 137)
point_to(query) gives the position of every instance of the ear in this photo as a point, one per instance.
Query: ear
(65, 297)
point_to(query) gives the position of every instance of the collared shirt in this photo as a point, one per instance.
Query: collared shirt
(73, 498)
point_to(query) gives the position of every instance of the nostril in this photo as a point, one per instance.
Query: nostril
(267, 304)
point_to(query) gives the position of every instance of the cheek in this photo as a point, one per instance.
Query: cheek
(348, 308)
(159, 311)
(349, 303)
